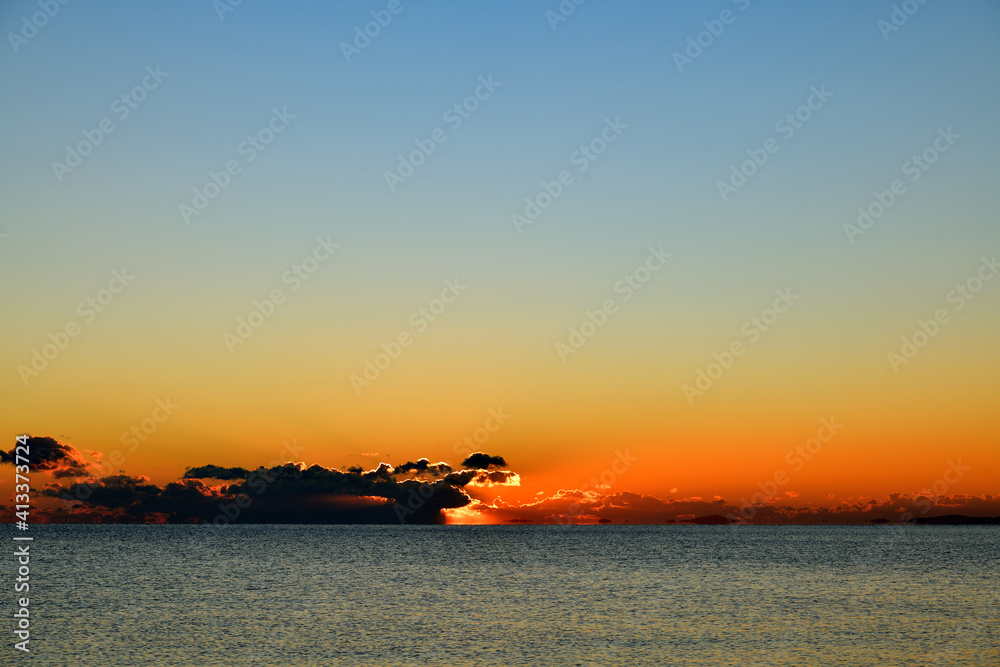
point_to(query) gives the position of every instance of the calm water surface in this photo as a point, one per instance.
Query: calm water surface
(512, 595)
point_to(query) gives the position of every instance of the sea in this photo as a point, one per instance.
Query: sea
(509, 595)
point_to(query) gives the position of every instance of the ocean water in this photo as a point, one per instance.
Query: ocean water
(512, 595)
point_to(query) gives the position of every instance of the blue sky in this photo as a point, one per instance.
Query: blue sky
(658, 183)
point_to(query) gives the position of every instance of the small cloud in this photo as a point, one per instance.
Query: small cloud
(423, 466)
(483, 478)
(497, 478)
(483, 461)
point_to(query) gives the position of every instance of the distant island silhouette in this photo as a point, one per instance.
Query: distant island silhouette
(959, 520)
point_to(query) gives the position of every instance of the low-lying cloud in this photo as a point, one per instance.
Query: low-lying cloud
(283, 493)
(430, 493)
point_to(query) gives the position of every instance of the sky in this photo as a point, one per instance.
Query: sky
(721, 244)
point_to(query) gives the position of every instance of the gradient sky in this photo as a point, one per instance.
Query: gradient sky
(495, 346)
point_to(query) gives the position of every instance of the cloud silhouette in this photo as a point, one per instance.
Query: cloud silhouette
(421, 492)
(287, 493)
(46, 454)
(423, 466)
(483, 478)
(483, 461)
(215, 472)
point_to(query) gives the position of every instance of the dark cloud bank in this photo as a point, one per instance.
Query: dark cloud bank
(415, 492)
(412, 492)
